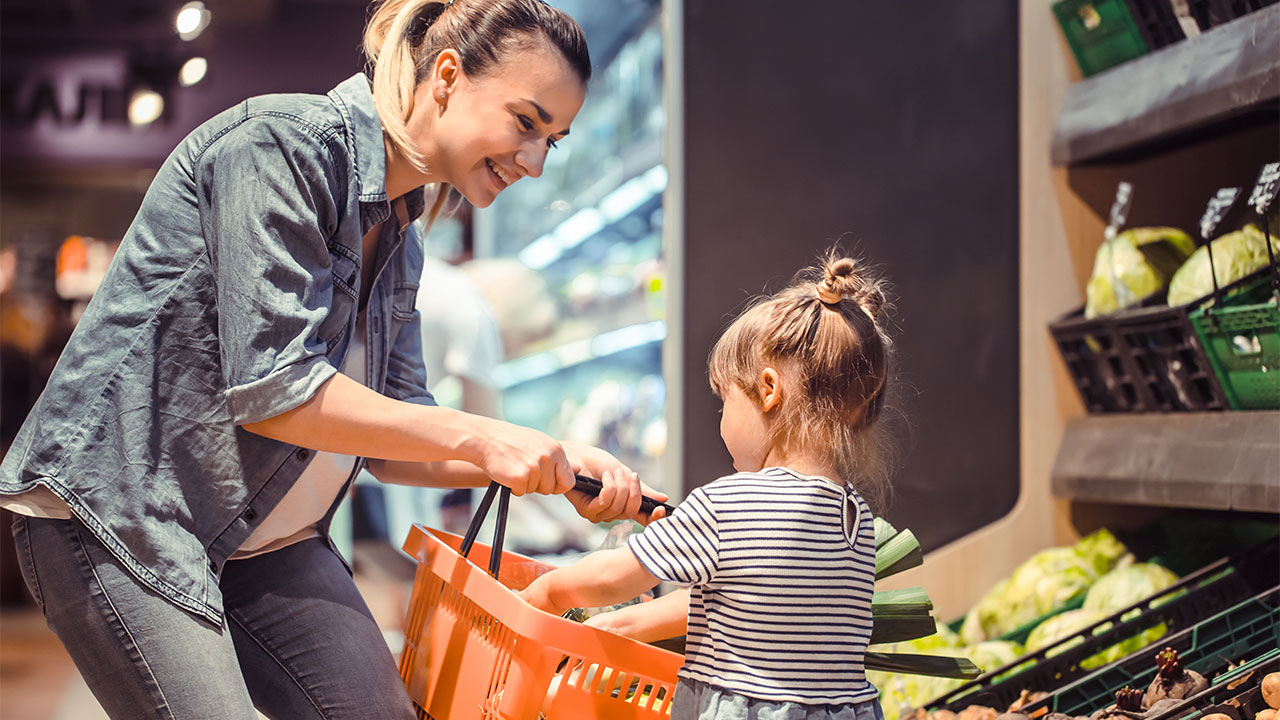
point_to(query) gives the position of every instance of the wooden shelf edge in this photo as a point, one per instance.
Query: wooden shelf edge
(1219, 461)
(1199, 81)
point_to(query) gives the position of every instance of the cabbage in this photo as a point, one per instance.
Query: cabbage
(1060, 626)
(1045, 582)
(1235, 255)
(1132, 265)
(900, 694)
(1125, 586)
(1102, 549)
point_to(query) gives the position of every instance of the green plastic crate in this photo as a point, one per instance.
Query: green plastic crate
(1242, 342)
(1244, 632)
(1100, 33)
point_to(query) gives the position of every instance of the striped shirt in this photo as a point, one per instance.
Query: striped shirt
(782, 568)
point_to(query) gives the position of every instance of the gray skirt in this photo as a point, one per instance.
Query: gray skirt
(696, 700)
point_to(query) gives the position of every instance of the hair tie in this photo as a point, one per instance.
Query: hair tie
(827, 295)
(447, 4)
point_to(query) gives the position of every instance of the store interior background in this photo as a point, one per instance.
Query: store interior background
(722, 147)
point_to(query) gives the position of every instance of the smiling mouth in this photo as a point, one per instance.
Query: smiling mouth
(502, 177)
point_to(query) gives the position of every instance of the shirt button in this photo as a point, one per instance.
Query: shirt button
(303, 454)
(250, 513)
(213, 566)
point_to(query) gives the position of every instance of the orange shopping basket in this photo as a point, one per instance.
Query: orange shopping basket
(474, 649)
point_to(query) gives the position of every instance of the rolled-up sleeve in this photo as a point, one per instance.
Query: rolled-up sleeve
(266, 197)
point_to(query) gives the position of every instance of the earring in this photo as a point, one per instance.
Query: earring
(442, 96)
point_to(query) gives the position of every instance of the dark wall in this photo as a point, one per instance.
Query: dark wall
(892, 127)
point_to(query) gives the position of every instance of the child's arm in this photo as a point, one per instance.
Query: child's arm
(602, 578)
(666, 617)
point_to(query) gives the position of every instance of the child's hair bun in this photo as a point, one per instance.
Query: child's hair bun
(840, 280)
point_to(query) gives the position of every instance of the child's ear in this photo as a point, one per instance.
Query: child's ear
(770, 389)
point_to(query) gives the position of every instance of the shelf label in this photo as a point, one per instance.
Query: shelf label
(1264, 193)
(1219, 205)
(1119, 209)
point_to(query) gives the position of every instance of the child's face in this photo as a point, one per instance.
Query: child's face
(744, 430)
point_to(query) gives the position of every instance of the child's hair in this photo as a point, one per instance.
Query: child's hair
(825, 334)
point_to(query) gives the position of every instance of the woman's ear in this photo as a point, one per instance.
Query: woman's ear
(444, 74)
(770, 389)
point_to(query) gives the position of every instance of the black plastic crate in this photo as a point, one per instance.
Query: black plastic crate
(1202, 594)
(1245, 631)
(1157, 22)
(1171, 368)
(1212, 13)
(1102, 371)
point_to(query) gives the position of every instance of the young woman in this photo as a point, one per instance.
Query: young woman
(172, 524)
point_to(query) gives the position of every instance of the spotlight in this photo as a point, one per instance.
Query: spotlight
(145, 106)
(192, 19)
(193, 71)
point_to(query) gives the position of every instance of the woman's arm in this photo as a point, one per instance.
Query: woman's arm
(349, 418)
(607, 577)
(665, 617)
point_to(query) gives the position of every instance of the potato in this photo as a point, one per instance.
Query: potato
(1271, 690)
(1268, 714)
(1216, 716)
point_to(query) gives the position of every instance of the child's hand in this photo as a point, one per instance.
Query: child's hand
(537, 595)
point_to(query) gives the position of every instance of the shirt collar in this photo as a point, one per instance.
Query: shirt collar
(354, 97)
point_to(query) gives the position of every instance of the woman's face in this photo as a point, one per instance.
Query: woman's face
(490, 131)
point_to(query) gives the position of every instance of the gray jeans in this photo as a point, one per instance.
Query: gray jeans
(699, 701)
(298, 641)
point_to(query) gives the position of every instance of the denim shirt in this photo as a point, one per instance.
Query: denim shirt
(232, 299)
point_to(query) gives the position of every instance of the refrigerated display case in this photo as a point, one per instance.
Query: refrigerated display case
(591, 228)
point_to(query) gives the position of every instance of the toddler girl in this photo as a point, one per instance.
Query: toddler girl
(780, 556)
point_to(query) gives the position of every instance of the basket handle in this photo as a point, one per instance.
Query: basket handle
(499, 530)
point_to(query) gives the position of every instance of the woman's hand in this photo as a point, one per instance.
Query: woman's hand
(620, 498)
(523, 459)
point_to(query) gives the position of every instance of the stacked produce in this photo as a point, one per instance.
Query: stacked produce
(1090, 580)
(1172, 686)
(1235, 255)
(1133, 265)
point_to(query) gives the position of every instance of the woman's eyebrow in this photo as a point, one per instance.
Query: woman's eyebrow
(544, 116)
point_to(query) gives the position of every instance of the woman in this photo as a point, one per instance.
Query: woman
(172, 525)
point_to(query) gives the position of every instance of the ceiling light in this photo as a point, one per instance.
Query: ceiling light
(145, 106)
(193, 71)
(192, 19)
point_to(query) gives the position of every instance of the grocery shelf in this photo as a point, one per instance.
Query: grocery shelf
(1225, 73)
(1213, 460)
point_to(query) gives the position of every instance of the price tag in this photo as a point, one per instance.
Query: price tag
(1218, 206)
(1119, 209)
(1264, 193)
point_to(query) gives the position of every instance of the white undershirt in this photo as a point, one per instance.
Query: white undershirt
(297, 516)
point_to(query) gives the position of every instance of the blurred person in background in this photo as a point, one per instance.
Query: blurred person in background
(172, 525)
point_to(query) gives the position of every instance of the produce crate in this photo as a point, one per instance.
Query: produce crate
(1212, 13)
(1242, 341)
(1100, 33)
(473, 649)
(1157, 22)
(1172, 370)
(1201, 594)
(1103, 373)
(1235, 694)
(1242, 632)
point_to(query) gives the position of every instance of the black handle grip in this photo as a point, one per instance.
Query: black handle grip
(592, 487)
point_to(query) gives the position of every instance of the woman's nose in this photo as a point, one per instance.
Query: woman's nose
(531, 159)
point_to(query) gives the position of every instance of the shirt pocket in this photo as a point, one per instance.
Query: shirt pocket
(346, 268)
(404, 300)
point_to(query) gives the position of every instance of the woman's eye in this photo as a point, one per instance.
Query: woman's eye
(525, 122)
(551, 143)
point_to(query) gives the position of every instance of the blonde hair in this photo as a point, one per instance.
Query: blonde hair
(404, 37)
(825, 335)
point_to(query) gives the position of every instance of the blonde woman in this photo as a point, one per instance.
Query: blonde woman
(173, 513)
